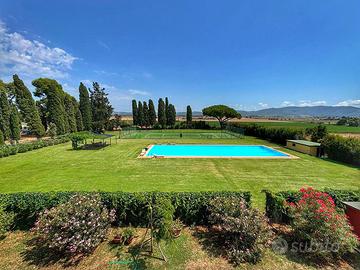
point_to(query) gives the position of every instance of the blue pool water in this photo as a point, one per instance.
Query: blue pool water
(201, 150)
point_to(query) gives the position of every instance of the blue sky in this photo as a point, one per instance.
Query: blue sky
(247, 54)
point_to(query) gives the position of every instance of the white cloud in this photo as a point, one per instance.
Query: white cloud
(138, 92)
(287, 104)
(303, 103)
(31, 57)
(263, 105)
(354, 102)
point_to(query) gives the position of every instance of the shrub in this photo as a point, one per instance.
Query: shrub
(320, 226)
(163, 215)
(75, 227)
(131, 208)
(342, 149)
(6, 220)
(244, 231)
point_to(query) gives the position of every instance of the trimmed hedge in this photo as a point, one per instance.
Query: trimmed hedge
(8, 150)
(276, 135)
(277, 211)
(131, 208)
(342, 149)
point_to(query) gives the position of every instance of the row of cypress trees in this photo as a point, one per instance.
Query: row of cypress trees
(55, 112)
(145, 115)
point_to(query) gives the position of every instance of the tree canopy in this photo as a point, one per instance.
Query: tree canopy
(85, 107)
(188, 115)
(161, 113)
(222, 113)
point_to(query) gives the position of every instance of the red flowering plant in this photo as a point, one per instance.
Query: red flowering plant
(319, 227)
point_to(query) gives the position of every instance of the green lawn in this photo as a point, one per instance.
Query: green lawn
(332, 128)
(117, 168)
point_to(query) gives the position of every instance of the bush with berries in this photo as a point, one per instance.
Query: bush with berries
(319, 227)
(75, 227)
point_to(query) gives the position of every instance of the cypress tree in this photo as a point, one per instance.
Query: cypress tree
(53, 96)
(101, 108)
(5, 112)
(172, 115)
(167, 112)
(79, 121)
(2, 141)
(161, 113)
(134, 112)
(27, 107)
(70, 110)
(15, 124)
(85, 107)
(140, 114)
(152, 113)
(188, 115)
(146, 114)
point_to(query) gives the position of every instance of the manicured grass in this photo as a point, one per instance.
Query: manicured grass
(116, 167)
(332, 128)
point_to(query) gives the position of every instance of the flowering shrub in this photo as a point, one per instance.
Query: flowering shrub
(244, 231)
(75, 227)
(319, 226)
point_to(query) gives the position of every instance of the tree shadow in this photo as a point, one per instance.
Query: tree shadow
(39, 255)
(211, 241)
(131, 256)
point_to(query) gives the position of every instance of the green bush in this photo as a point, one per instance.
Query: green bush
(342, 149)
(319, 229)
(6, 220)
(75, 227)
(277, 208)
(131, 208)
(7, 150)
(244, 232)
(276, 135)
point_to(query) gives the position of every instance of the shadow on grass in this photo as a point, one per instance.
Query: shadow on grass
(210, 240)
(131, 256)
(37, 254)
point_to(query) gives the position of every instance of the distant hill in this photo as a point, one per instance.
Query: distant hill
(309, 111)
(293, 111)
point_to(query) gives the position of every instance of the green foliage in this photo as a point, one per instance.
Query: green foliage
(145, 110)
(5, 112)
(222, 113)
(6, 220)
(317, 133)
(52, 132)
(244, 232)
(101, 108)
(85, 107)
(188, 115)
(52, 95)
(131, 208)
(171, 115)
(163, 215)
(79, 120)
(152, 113)
(2, 141)
(273, 134)
(349, 121)
(27, 107)
(15, 124)
(277, 204)
(76, 227)
(342, 149)
(167, 114)
(140, 114)
(8, 150)
(161, 113)
(317, 223)
(134, 112)
(70, 108)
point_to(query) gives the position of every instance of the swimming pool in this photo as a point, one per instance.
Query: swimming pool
(214, 151)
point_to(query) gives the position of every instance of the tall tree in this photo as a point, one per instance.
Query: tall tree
(167, 113)
(79, 121)
(161, 113)
(85, 107)
(172, 115)
(70, 109)
(222, 113)
(2, 140)
(15, 124)
(152, 113)
(27, 107)
(188, 115)
(101, 108)
(140, 114)
(51, 93)
(146, 114)
(134, 112)
(5, 112)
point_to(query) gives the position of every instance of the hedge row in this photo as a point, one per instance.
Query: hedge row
(277, 211)
(8, 150)
(131, 208)
(342, 149)
(276, 135)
